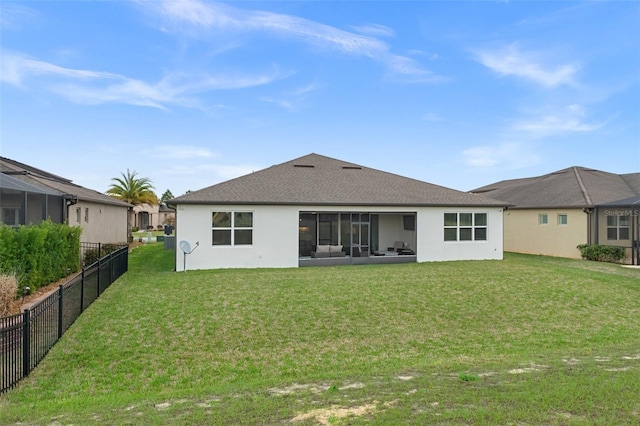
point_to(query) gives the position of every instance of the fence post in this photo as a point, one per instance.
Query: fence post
(110, 269)
(26, 343)
(60, 305)
(82, 291)
(99, 250)
(98, 280)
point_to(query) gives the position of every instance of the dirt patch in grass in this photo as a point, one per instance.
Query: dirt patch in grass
(313, 388)
(327, 416)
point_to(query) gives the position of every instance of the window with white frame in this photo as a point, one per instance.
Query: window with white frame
(86, 214)
(562, 219)
(617, 227)
(10, 216)
(465, 226)
(230, 228)
(543, 219)
(78, 214)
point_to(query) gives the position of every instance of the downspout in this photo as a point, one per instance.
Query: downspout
(68, 201)
(589, 211)
(597, 241)
(636, 231)
(23, 219)
(589, 227)
(175, 228)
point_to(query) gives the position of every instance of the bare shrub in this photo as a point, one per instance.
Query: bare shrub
(8, 293)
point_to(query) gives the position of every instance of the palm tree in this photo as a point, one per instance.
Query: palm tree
(134, 191)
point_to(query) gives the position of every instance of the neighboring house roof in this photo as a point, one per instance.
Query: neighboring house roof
(44, 182)
(163, 208)
(9, 182)
(627, 202)
(319, 180)
(573, 187)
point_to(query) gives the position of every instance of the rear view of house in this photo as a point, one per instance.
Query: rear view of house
(552, 214)
(317, 210)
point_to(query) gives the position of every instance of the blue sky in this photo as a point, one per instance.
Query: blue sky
(190, 93)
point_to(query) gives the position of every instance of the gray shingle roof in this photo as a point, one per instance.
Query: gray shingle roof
(627, 202)
(318, 180)
(571, 187)
(50, 183)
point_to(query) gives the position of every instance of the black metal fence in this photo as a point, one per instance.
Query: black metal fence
(27, 337)
(91, 252)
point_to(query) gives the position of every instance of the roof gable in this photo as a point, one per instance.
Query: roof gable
(318, 180)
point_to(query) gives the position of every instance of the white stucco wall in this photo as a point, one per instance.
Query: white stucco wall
(431, 244)
(275, 236)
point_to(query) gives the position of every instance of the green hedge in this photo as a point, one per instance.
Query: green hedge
(602, 253)
(39, 254)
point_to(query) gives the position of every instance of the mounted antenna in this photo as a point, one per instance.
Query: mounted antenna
(186, 249)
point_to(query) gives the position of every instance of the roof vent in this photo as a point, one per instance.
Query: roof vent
(306, 166)
(352, 167)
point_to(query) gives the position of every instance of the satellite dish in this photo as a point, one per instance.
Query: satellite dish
(185, 246)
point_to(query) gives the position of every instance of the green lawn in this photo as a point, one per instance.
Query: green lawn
(144, 233)
(526, 341)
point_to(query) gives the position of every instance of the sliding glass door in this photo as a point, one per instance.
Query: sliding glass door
(360, 226)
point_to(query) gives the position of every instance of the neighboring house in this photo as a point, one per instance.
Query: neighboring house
(149, 215)
(316, 210)
(29, 195)
(619, 222)
(554, 213)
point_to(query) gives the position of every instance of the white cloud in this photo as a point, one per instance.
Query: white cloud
(510, 155)
(231, 172)
(194, 174)
(511, 61)
(15, 68)
(374, 30)
(13, 16)
(412, 70)
(195, 16)
(306, 89)
(284, 103)
(181, 177)
(570, 119)
(209, 174)
(181, 152)
(292, 99)
(97, 87)
(192, 12)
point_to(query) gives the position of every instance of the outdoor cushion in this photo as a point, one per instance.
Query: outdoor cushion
(323, 249)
